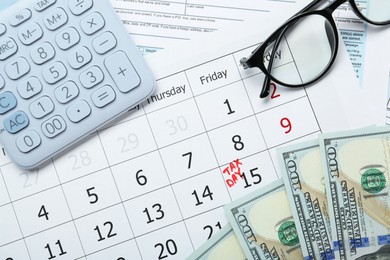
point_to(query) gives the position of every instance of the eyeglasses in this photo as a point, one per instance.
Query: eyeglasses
(308, 43)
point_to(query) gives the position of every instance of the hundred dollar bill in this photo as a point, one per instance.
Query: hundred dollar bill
(222, 245)
(357, 165)
(264, 225)
(303, 176)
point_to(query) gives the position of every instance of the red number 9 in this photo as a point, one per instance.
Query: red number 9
(286, 124)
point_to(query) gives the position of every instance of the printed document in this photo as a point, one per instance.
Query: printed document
(153, 185)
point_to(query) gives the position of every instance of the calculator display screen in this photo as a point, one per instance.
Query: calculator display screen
(5, 3)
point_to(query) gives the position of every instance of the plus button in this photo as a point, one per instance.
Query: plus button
(122, 71)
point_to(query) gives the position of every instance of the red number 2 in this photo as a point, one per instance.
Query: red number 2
(286, 124)
(274, 94)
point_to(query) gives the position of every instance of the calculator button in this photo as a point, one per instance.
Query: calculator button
(3, 29)
(92, 23)
(17, 68)
(28, 141)
(55, 72)
(20, 17)
(103, 96)
(30, 87)
(30, 33)
(122, 72)
(53, 126)
(41, 107)
(43, 4)
(8, 47)
(78, 111)
(16, 122)
(104, 43)
(79, 57)
(91, 77)
(7, 102)
(42, 53)
(55, 19)
(66, 92)
(2, 82)
(78, 7)
(67, 38)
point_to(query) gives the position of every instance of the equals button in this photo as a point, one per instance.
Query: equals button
(103, 96)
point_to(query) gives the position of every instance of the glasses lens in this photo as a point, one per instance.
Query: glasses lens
(375, 10)
(303, 52)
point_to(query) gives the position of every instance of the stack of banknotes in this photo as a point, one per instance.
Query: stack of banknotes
(332, 202)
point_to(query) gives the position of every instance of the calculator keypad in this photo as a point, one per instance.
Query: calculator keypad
(122, 72)
(20, 17)
(3, 29)
(67, 38)
(8, 47)
(55, 19)
(17, 68)
(30, 87)
(42, 5)
(30, 33)
(78, 8)
(67, 68)
(92, 23)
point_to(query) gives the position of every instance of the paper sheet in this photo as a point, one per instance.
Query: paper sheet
(153, 185)
(156, 25)
(366, 45)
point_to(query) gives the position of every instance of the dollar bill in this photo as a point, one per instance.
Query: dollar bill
(264, 225)
(303, 175)
(222, 245)
(356, 166)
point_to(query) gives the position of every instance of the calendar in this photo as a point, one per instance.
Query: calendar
(153, 185)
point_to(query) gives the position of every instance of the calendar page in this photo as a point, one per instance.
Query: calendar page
(153, 185)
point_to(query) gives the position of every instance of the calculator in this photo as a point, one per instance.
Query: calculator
(67, 67)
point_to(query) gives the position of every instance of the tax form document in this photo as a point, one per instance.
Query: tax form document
(156, 25)
(153, 185)
(367, 47)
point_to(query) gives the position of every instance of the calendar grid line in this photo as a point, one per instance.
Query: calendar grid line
(287, 102)
(201, 213)
(311, 106)
(254, 112)
(69, 209)
(165, 168)
(193, 96)
(300, 137)
(111, 206)
(169, 180)
(209, 139)
(68, 221)
(121, 242)
(119, 194)
(117, 172)
(174, 223)
(208, 61)
(176, 142)
(16, 216)
(304, 88)
(113, 245)
(122, 200)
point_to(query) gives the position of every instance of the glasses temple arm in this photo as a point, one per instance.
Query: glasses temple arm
(266, 84)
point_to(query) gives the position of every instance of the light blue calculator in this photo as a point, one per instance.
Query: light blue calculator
(67, 67)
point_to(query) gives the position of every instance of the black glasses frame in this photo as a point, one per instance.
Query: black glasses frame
(256, 58)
